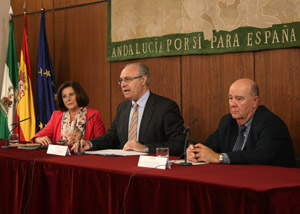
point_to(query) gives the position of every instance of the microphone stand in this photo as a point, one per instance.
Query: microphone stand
(6, 146)
(15, 126)
(79, 144)
(187, 134)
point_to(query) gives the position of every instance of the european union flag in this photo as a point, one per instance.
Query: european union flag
(45, 81)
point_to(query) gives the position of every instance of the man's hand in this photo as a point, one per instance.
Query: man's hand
(84, 146)
(134, 145)
(199, 152)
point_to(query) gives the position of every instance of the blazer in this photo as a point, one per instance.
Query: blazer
(268, 141)
(161, 126)
(94, 127)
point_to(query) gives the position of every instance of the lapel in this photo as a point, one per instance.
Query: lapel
(231, 136)
(125, 118)
(256, 122)
(147, 116)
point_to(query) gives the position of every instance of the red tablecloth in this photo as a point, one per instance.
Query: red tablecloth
(97, 184)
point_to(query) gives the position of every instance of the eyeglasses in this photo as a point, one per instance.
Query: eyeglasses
(127, 79)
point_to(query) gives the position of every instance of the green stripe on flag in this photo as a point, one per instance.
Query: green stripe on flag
(9, 86)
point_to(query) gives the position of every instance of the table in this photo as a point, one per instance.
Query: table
(97, 184)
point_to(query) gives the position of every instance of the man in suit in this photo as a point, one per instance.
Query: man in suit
(250, 134)
(158, 122)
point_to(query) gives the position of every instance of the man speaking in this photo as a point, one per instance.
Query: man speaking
(145, 121)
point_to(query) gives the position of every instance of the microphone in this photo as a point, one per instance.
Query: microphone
(83, 125)
(190, 126)
(15, 126)
(16, 123)
(187, 133)
(79, 144)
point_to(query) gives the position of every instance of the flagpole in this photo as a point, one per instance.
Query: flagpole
(6, 146)
(25, 7)
(25, 105)
(45, 80)
(9, 84)
(10, 11)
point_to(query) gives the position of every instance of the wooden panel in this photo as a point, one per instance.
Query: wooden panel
(68, 3)
(164, 79)
(31, 5)
(278, 76)
(198, 83)
(80, 52)
(33, 22)
(205, 84)
(18, 30)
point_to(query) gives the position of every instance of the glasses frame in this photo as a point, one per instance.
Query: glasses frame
(128, 79)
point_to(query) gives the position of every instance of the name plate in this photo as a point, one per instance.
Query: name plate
(154, 162)
(58, 150)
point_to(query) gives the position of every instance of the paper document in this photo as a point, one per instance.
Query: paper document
(24, 144)
(114, 152)
(32, 147)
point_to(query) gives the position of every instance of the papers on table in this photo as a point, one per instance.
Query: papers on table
(181, 161)
(32, 147)
(114, 152)
(27, 146)
(24, 144)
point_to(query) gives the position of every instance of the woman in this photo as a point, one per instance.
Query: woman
(66, 123)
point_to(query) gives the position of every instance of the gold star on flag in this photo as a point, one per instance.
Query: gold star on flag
(41, 125)
(41, 72)
(47, 73)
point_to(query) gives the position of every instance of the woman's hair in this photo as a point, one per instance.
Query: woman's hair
(81, 97)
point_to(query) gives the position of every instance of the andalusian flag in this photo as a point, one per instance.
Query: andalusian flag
(25, 106)
(9, 86)
(45, 82)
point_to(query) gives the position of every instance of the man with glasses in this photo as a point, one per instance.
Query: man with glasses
(145, 121)
(250, 134)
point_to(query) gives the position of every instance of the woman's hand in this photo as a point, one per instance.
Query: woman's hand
(44, 141)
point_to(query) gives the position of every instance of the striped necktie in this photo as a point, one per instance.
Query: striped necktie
(133, 123)
(240, 139)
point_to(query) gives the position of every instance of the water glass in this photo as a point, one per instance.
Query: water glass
(162, 152)
(13, 138)
(62, 142)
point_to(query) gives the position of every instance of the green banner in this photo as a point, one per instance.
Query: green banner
(241, 39)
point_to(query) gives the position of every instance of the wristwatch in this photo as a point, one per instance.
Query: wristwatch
(146, 149)
(221, 158)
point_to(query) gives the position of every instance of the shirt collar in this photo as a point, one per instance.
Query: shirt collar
(249, 122)
(142, 101)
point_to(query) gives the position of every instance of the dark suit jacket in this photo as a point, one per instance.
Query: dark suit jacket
(268, 142)
(161, 126)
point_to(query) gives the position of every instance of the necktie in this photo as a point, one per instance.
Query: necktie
(133, 123)
(240, 139)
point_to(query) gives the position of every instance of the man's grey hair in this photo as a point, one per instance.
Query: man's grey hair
(255, 90)
(143, 70)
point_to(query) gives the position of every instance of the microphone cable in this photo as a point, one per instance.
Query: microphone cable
(31, 184)
(129, 181)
